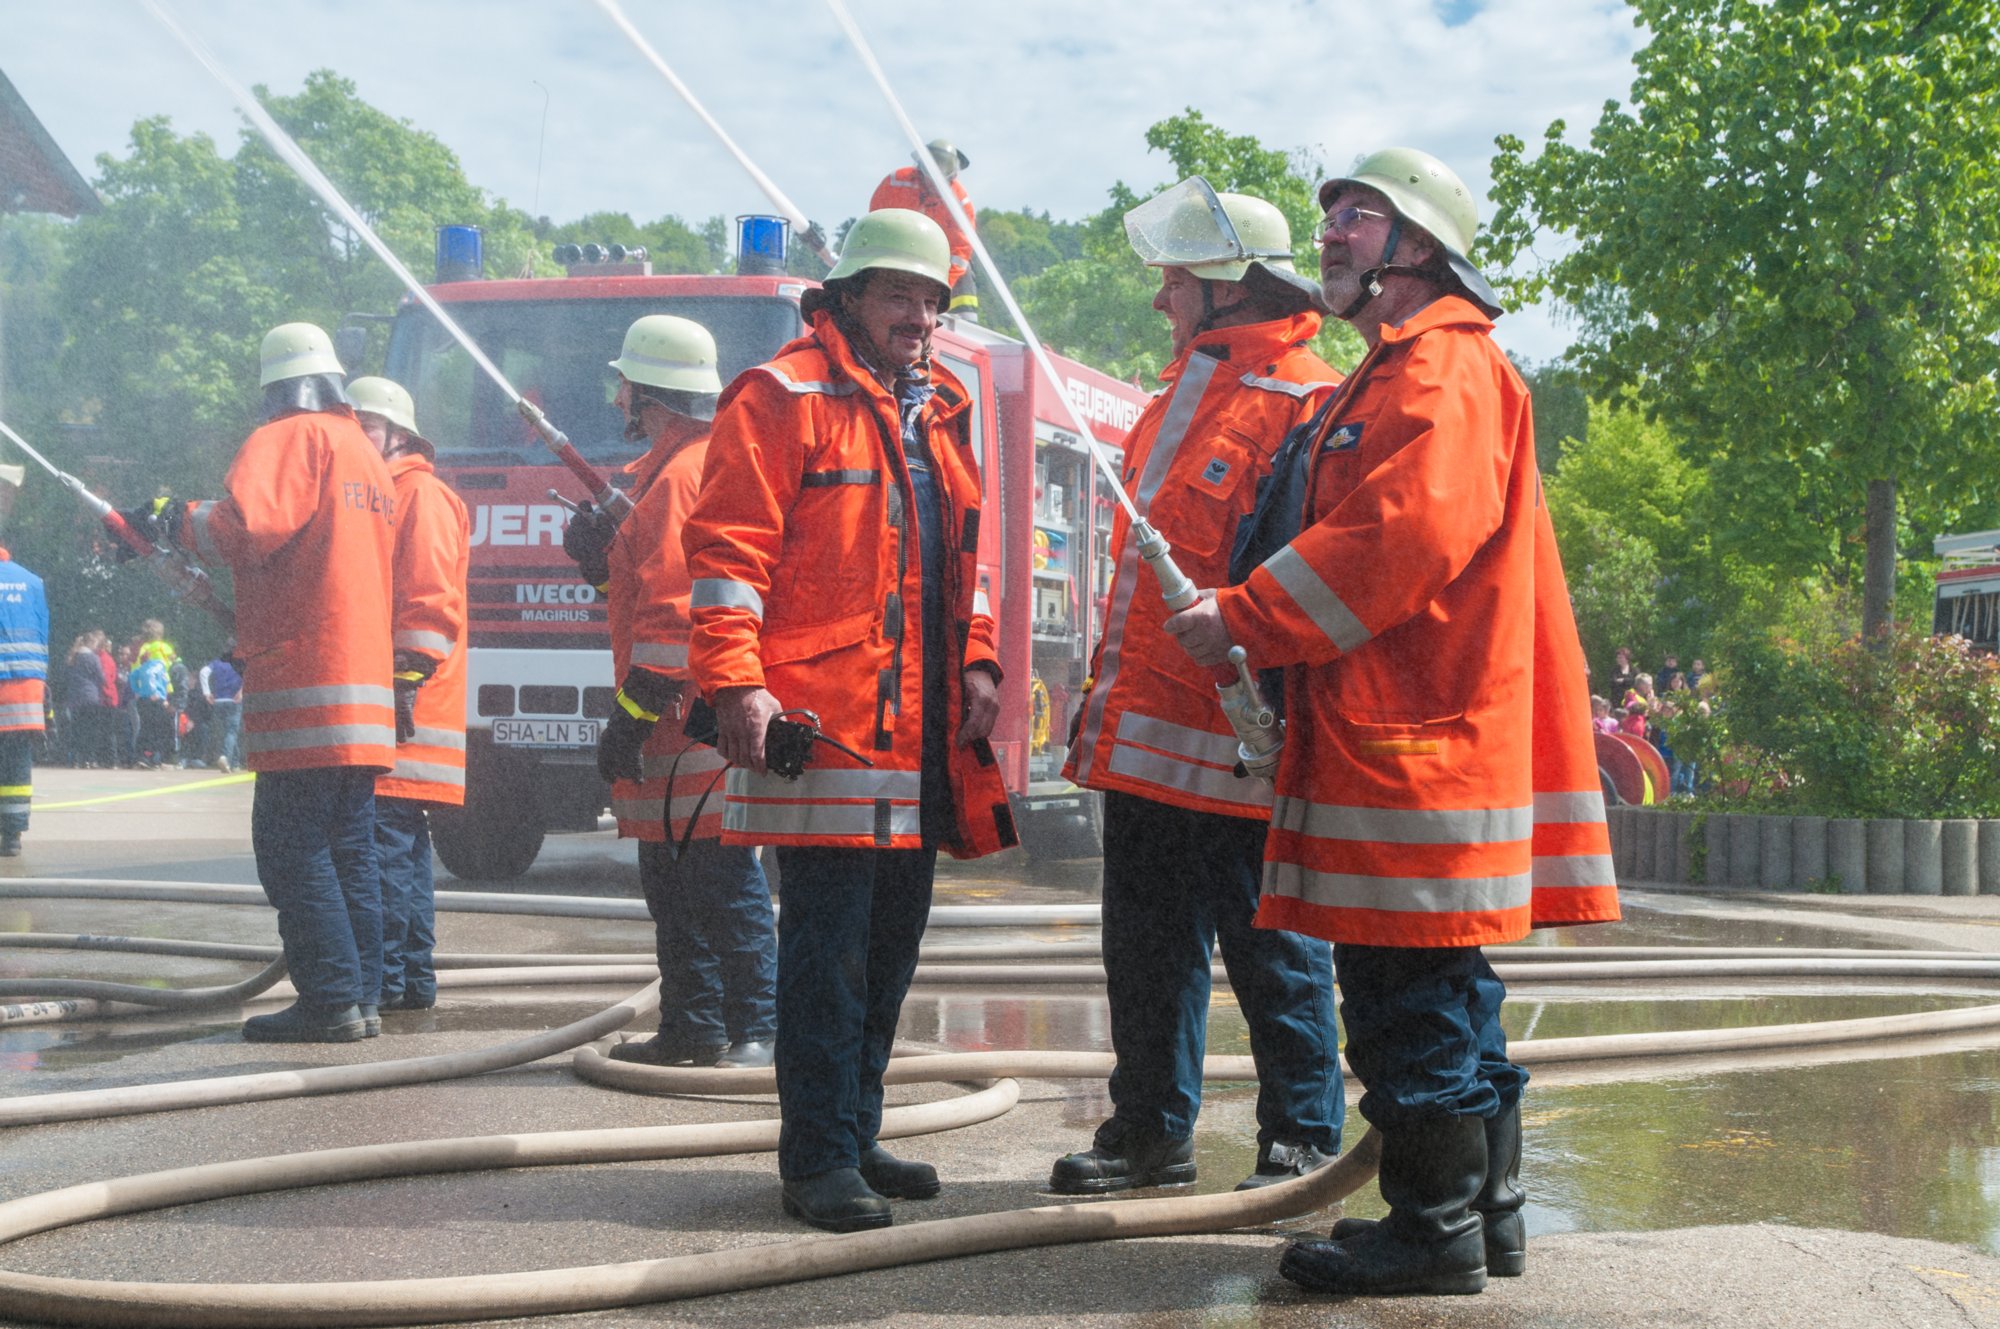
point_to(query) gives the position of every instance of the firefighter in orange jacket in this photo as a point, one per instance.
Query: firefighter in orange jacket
(1436, 793)
(910, 187)
(433, 555)
(307, 524)
(710, 903)
(1183, 834)
(833, 549)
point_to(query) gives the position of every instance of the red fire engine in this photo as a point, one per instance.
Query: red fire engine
(1967, 602)
(541, 683)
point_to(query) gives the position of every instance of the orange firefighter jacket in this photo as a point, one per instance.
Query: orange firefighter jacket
(1150, 723)
(433, 556)
(910, 188)
(805, 558)
(648, 609)
(1428, 794)
(308, 528)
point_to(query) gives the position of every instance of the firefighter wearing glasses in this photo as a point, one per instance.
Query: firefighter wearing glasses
(833, 549)
(1183, 834)
(1437, 791)
(710, 902)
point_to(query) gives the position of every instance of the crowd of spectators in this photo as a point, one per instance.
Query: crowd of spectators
(138, 705)
(1644, 703)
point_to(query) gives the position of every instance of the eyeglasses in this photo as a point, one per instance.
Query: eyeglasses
(1342, 223)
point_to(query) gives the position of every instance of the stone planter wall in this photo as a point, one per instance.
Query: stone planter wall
(1741, 851)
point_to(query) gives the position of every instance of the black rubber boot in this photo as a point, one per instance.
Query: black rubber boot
(897, 1178)
(1500, 1199)
(1498, 1204)
(299, 1023)
(1431, 1242)
(837, 1201)
(1121, 1158)
(1278, 1161)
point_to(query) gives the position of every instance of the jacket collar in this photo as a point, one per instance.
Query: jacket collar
(647, 467)
(410, 461)
(1251, 345)
(951, 395)
(1446, 311)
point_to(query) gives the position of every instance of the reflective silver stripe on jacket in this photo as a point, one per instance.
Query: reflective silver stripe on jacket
(429, 772)
(810, 387)
(439, 738)
(1402, 895)
(722, 592)
(653, 811)
(982, 605)
(1174, 756)
(1290, 389)
(1328, 612)
(1565, 809)
(204, 537)
(1332, 821)
(661, 653)
(320, 736)
(1574, 870)
(853, 820)
(699, 759)
(1181, 408)
(417, 639)
(30, 648)
(14, 713)
(330, 694)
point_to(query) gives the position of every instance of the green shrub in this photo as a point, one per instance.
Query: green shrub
(1809, 720)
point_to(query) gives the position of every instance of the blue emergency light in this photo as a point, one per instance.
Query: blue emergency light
(760, 245)
(460, 254)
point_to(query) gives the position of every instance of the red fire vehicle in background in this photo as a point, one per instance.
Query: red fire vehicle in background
(1967, 602)
(541, 683)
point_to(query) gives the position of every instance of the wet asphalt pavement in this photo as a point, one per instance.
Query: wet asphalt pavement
(1858, 1186)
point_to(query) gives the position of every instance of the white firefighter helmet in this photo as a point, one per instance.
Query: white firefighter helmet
(666, 351)
(1216, 237)
(899, 240)
(390, 400)
(295, 350)
(1426, 192)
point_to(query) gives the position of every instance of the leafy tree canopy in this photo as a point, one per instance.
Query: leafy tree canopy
(1788, 247)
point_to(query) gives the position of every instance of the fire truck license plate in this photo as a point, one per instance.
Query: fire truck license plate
(547, 733)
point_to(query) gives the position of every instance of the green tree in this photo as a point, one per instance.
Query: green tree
(1097, 307)
(1788, 247)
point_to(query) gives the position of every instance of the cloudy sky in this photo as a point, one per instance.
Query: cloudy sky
(1050, 100)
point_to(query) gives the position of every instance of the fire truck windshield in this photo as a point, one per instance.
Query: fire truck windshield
(556, 352)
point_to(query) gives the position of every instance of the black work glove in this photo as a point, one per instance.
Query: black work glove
(642, 697)
(412, 672)
(587, 541)
(157, 522)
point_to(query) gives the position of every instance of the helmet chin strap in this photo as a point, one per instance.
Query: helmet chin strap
(1371, 279)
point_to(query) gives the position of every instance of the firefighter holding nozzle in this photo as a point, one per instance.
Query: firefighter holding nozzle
(1183, 834)
(833, 550)
(1437, 791)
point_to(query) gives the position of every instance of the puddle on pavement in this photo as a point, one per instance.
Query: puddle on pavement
(1907, 1145)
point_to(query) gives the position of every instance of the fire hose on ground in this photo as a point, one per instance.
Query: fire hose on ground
(432, 1300)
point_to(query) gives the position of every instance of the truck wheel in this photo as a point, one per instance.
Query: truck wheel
(484, 848)
(1059, 835)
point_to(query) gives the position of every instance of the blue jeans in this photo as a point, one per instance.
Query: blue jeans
(712, 932)
(1175, 882)
(1424, 1035)
(314, 835)
(225, 727)
(847, 949)
(409, 910)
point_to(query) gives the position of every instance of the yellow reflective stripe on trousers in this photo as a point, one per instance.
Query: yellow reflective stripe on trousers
(1405, 895)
